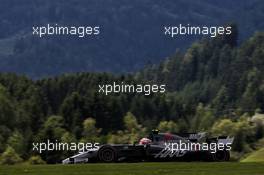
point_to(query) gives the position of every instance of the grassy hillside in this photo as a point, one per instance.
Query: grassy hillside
(257, 156)
(139, 169)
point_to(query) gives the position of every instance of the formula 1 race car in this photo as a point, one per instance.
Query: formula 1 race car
(161, 147)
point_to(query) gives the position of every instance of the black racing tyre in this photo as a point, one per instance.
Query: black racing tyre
(107, 154)
(221, 156)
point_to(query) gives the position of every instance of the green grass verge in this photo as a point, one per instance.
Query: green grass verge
(179, 168)
(257, 156)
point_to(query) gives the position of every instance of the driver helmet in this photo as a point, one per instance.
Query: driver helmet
(144, 141)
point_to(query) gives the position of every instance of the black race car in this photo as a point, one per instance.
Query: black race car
(161, 147)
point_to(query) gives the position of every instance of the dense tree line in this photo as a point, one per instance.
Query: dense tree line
(217, 73)
(216, 86)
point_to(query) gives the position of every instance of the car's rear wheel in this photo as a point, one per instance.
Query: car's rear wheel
(221, 156)
(107, 154)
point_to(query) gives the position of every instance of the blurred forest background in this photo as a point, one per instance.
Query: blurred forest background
(215, 86)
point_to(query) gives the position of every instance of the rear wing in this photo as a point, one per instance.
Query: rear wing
(226, 140)
(193, 136)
